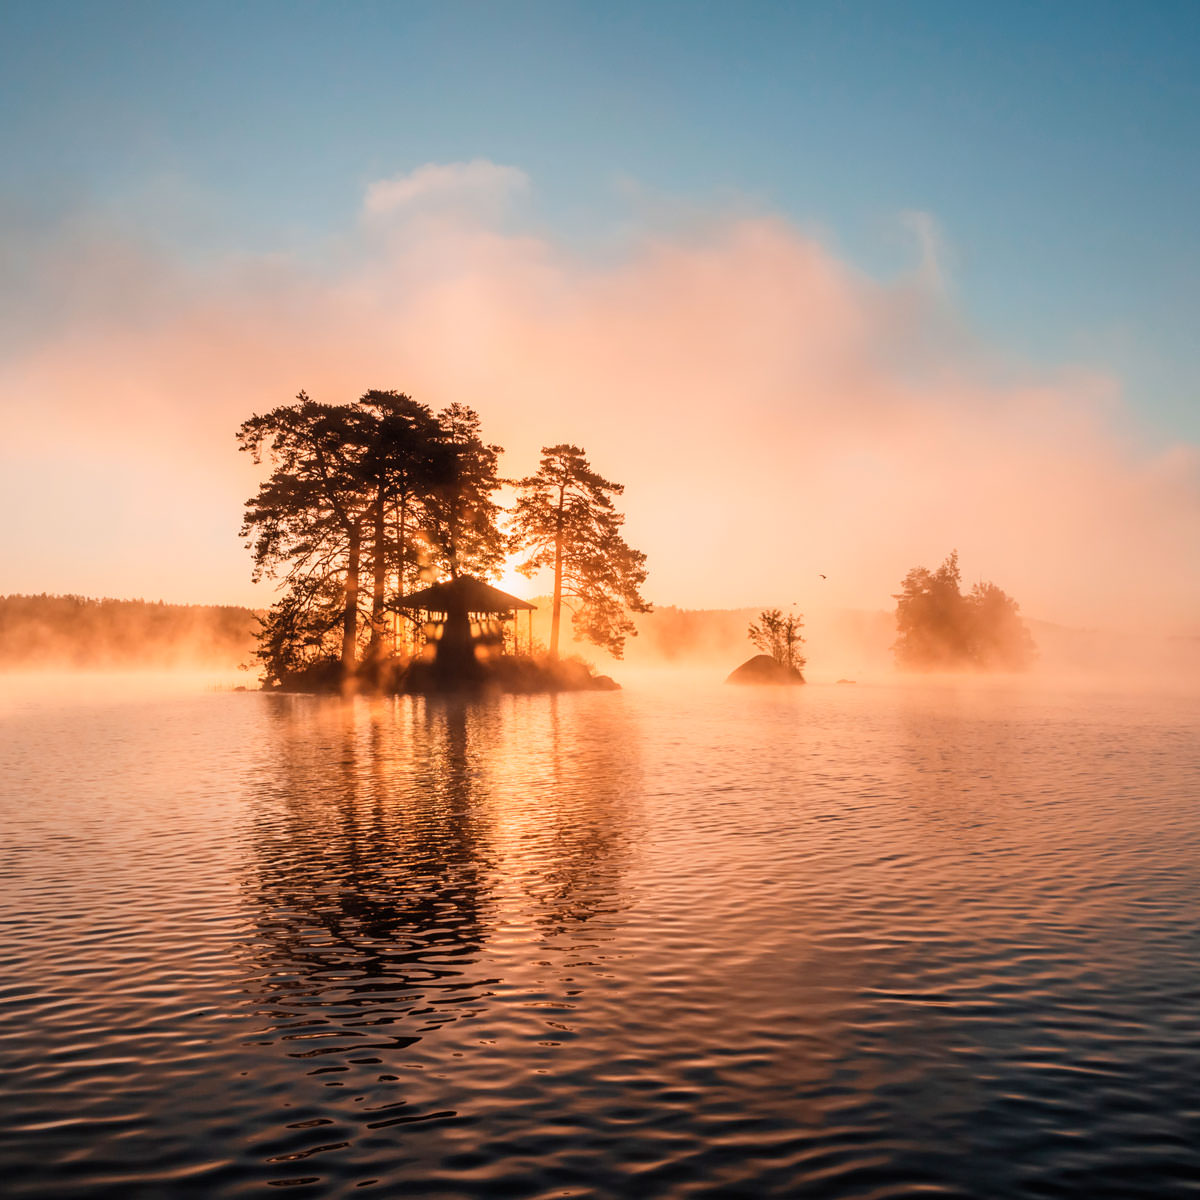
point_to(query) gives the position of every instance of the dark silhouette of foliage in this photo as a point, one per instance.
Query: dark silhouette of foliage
(565, 521)
(363, 500)
(461, 516)
(307, 519)
(780, 637)
(366, 502)
(400, 468)
(303, 628)
(941, 629)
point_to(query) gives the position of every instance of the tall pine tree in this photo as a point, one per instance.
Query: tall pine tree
(565, 521)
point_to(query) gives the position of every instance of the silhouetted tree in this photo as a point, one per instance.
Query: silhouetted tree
(382, 489)
(565, 521)
(400, 468)
(460, 516)
(1000, 640)
(780, 637)
(307, 519)
(303, 626)
(931, 618)
(941, 629)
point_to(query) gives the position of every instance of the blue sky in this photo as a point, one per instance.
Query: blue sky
(1055, 145)
(694, 238)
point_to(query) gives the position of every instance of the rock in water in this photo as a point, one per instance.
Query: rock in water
(762, 668)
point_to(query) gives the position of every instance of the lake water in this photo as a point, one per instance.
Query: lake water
(669, 942)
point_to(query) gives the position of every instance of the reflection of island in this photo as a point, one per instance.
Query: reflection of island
(368, 900)
(393, 839)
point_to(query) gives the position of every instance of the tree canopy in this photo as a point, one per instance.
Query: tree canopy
(939, 628)
(365, 502)
(381, 490)
(461, 516)
(565, 521)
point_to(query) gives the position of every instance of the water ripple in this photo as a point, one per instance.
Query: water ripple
(844, 943)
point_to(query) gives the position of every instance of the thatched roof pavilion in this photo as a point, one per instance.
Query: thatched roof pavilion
(458, 601)
(465, 594)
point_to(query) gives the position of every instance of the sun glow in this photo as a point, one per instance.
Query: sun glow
(512, 581)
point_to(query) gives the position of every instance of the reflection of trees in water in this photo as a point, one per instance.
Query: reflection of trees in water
(388, 836)
(390, 841)
(369, 878)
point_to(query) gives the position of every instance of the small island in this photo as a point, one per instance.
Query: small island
(762, 668)
(780, 660)
(939, 628)
(379, 519)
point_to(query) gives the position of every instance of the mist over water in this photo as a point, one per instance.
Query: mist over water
(679, 940)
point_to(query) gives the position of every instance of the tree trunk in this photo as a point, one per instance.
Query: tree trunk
(379, 582)
(401, 575)
(556, 609)
(350, 613)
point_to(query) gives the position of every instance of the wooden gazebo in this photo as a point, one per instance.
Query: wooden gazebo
(464, 603)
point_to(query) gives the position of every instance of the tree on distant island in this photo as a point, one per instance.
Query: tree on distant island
(382, 489)
(565, 521)
(780, 637)
(780, 659)
(941, 629)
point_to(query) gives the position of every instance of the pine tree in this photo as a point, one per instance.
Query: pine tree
(399, 470)
(565, 521)
(460, 516)
(306, 522)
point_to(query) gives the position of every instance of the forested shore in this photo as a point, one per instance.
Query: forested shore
(83, 633)
(71, 632)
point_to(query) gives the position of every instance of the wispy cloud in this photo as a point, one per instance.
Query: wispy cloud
(478, 182)
(932, 268)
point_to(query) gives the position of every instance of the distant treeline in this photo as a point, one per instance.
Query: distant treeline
(78, 632)
(74, 631)
(65, 632)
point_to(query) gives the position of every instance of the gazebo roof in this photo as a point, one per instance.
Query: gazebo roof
(466, 593)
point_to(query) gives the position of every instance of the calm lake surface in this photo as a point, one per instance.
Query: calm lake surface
(673, 941)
